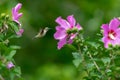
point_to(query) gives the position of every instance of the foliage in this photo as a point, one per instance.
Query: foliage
(8, 68)
(98, 62)
(90, 13)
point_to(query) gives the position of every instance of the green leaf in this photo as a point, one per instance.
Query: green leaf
(17, 70)
(15, 73)
(1, 37)
(93, 44)
(11, 54)
(13, 36)
(77, 59)
(106, 60)
(15, 47)
(14, 26)
(76, 55)
(108, 71)
(76, 62)
(90, 65)
(71, 47)
(3, 48)
(20, 79)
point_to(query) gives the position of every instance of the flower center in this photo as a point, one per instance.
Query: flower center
(111, 35)
(72, 30)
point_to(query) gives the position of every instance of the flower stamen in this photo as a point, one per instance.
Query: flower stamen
(111, 36)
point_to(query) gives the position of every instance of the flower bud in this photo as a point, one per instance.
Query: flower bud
(10, 65)
(6, 17)
(3, 15)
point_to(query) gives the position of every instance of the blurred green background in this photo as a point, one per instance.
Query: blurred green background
(39, 59)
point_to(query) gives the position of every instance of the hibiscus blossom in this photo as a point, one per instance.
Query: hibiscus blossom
(63, 30)
(111, 33)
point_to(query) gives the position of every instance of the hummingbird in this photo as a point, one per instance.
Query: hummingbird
(42, 32)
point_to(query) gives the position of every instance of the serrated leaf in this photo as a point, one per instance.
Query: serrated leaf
(76, 55)
(77, 59)
(93, 44)
(90, 65)
(106, 60)
(76, 62)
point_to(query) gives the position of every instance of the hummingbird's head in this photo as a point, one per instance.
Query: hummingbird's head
(47, 28)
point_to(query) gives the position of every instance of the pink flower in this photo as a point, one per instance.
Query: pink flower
(10, 65)
(62, 30)
(20, 32)
(111, 33)
(15, 14)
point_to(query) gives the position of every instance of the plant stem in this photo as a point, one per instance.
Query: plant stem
(111, 59)
(84, 63)
(94, 62)
(111, 62)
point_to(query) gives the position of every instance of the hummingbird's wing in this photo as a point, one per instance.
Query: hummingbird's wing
(39, 34)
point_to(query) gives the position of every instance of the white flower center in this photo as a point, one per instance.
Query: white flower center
(112, 36)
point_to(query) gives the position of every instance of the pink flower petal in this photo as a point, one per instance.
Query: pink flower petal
(115, 42)
(59, 28)
(72, 36)
(61, 43)
(19, 15)
(71, 20)
(60, 34)
(10, 65)
(70, 41)
(15, 14)
(20, 32)
(63, 23)
(105, 27)
(18, 6)
(114, 24)
(118, 32)
(106, 42)
(78, 26)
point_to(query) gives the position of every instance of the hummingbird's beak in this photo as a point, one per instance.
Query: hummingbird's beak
(49, 28)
